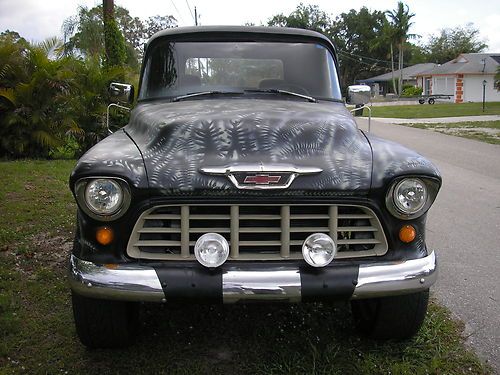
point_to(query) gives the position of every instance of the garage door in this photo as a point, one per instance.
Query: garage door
(473, 89)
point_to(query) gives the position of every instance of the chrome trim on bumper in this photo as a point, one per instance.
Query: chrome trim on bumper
(122, 282)
(261, 285)
(129, 282)
(394, 278)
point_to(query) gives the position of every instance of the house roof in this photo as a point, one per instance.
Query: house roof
(469, 63)
(410, 72)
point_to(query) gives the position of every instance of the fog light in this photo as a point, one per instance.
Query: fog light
(407, 233)
(104, 236)
(319, 249)
(211, 250)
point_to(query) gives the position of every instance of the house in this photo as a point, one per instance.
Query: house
(382, 84)
(463, 78)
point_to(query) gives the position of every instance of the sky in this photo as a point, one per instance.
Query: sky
(36, 20)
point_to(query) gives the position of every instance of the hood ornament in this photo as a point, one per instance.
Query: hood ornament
(260, 176)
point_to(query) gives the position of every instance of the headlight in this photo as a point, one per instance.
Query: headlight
(103, 198)
(411, 197)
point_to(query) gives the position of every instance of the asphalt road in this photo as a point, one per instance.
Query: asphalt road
(463, 226)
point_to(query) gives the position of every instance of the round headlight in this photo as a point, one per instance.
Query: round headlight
(319, 249)
(103, 196)
(410, 195)
(211, 250)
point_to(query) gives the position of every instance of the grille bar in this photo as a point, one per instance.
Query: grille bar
(256, 232)
(235, 231)
(285, 231)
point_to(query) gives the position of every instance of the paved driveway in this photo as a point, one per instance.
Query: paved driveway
(464, 227)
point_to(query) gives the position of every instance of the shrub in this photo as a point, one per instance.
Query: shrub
(69, 150)
(412, 91)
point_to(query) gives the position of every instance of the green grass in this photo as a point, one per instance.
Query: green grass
(485, 131)
(37, 335)
(436, 110)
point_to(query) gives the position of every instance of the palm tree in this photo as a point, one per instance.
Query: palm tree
(399, 19)
(34, 116)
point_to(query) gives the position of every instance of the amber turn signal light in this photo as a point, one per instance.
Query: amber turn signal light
(104, 235)
(407, 233)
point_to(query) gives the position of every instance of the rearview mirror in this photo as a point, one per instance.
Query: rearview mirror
(121, 92)
(358, 94)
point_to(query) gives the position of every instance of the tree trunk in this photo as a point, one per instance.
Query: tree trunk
(392, 68)
(108, 8)
(400, 68)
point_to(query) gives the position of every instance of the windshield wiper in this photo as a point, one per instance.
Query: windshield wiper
(201, 93)
(284, 92)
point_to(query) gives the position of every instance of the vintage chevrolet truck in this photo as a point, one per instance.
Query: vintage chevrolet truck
(242, 177)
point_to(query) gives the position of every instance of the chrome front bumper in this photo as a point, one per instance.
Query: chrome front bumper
(141, 283)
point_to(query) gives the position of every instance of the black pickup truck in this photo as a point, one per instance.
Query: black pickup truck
(242, 177)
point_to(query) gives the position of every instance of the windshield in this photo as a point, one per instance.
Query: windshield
(179, 68)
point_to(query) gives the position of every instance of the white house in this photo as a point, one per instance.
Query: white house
(382, 84)
(463, 78)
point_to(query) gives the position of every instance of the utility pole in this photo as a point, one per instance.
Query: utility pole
(195, 17)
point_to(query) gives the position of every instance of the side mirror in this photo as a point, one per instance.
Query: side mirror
(358, 94)
(121, 92)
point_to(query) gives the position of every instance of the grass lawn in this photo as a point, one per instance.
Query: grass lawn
(435, 110)
(37, 335)
(486, 131)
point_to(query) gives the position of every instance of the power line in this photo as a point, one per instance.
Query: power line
(177, 10)
(365, 57)
(190, 11)
(358, 60)
(370, 58)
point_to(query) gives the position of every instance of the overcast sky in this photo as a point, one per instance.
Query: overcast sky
(38, 19)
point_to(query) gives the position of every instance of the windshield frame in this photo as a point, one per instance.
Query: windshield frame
(246, 36)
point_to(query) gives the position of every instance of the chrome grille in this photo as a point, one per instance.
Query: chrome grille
(255, 232)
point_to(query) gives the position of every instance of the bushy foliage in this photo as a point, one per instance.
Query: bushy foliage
(47, 98)
(116, 52)
(411, 91)
(451, 42)
(84, 32)
(354, 34)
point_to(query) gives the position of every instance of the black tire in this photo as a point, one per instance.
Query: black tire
(398, 317)
(421, 101)
(431, 101)
(105, 324)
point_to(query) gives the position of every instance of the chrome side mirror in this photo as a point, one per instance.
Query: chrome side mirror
(358, 94)
(121, 92)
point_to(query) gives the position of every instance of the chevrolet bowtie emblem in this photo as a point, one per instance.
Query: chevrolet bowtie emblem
(262, 179)
(260, 176)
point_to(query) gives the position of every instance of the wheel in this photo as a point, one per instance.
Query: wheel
(105, 324)
(421, 101)
(431, 101)
(398, 317)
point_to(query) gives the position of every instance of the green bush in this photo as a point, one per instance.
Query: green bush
(46, 97)
(68, 151)
(411, 91)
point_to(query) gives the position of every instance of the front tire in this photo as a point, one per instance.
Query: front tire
(398, 317)
(105, 324)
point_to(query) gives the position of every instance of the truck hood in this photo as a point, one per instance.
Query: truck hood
(178, 140)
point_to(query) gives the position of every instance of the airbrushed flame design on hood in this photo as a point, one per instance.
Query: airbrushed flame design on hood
(177, 139)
